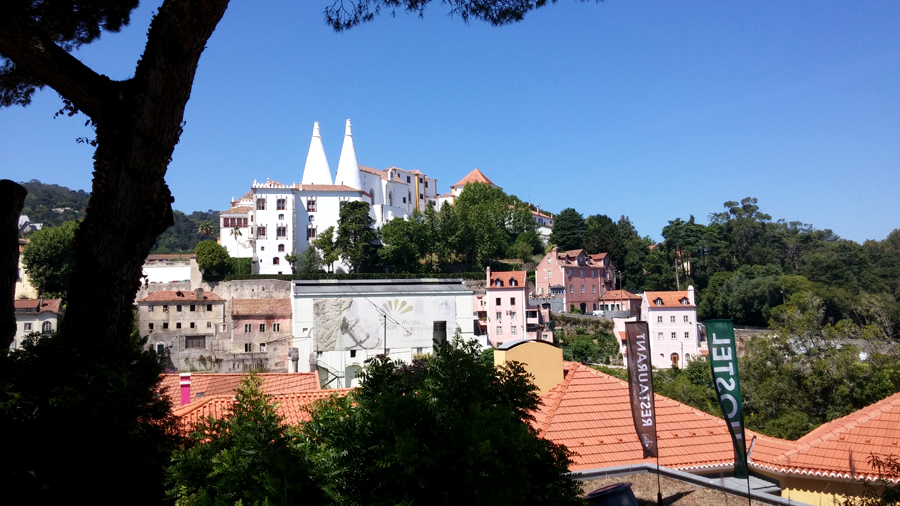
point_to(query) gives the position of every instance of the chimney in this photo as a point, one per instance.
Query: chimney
(185, 388)
(691, 294)
(488, 272)
(199, 294)
(294, 355)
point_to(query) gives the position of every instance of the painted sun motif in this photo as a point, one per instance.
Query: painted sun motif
(397, 307)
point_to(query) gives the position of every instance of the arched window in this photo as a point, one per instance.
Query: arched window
(512, 282)
(280, 248)
(46, 327)
(674, 358)
(498, 283)
(390, 198)
(276, 261)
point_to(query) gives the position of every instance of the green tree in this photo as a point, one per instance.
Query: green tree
(568, 230)
(49, 258)
(481, 214)
(213, 258)
(400, 248)
(445, 430)
(205, 227)
(355, 235)
(324, 242)
(309, 260)
(292, 259)
(249, 456)
(599, 234)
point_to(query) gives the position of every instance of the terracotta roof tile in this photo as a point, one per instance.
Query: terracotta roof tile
(259, 307)
(619, 295)
(383, 174)
(669, 299)
(179, 296)
(211, 384)
(590, 413)
(237, 210)
(38, 305)
(326, 188)
(504, 277)
(294, 408)
(476, 176)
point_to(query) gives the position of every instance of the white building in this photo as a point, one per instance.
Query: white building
(274, 219)
(35, 315)
(339, 324)
(672, 320)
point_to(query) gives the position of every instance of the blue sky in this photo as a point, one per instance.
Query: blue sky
(649, 109)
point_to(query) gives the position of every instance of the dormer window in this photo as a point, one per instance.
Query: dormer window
(684, 302)
(498, 283)
(658, 302)
(512, 282)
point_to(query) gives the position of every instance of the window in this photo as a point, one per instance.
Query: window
(209, 307)
(280, 204)
(262, 248)
(390, 198)
(352, 353)
(569, 272)
(498, 301)
(426, 184)
(418, 351)
(408, 180)
(512, 315)
(276, 261)
(178, 308)
(499, 331)
(149, 309)
(280, 217)
(658, 302)
(513, 330)
(387, 351)
(571, 288)
(195, 342)
(421, 196)
(149, 326)
(593, 288)
(311, 205)
(685, 319)
(499, 315)
(671, 319)
(261, 232)
(262, 327)
(581, 273)
(281, 232)
(178, 325)
(248, 328)
(582, 288)
(673, 336)
(687, 335)
(312, 217)
(281, 248)
(193, 307)
(260, 204)
(262, 347)
(404, 200)
(165, 326)
(513, 282)
(548, 261)
(192, 324)
(659, 336)
(498, 282)
(549, 274)
(512, 301)
(248, 347)
(684, 302)
(311, 233)
(276, 327)
(165, 307)
(209, 325)
(659, 319)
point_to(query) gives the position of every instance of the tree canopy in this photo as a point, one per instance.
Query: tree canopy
(568, 230)
(355, 235)
(49, 256)
(213, 258)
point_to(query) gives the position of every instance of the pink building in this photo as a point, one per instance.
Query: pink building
(621, 301)
(580, 278)
(508, 317)
(262, 326)
(672, 320)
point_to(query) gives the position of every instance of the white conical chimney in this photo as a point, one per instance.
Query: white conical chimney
(316, 170)
(348, 166)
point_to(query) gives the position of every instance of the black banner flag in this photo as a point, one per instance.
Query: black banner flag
(640, 385)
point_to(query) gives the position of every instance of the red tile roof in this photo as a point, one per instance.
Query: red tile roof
(294, 408)
(212, 384)
(669, 299)
(504, 277)
(476, 176)
(247, 196)
(828, 450)
(237, 210)
(619, 295)
(38, 305)
(179, 296)
(261, 307)
(590, 413)
(383, 174)
(326, 188)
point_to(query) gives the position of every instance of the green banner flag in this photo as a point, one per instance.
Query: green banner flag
(724, 364)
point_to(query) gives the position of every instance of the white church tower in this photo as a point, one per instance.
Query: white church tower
(316, 170)
(348, 165)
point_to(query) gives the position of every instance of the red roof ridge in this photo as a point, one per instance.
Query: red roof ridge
(476, 176)
(561, 387)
